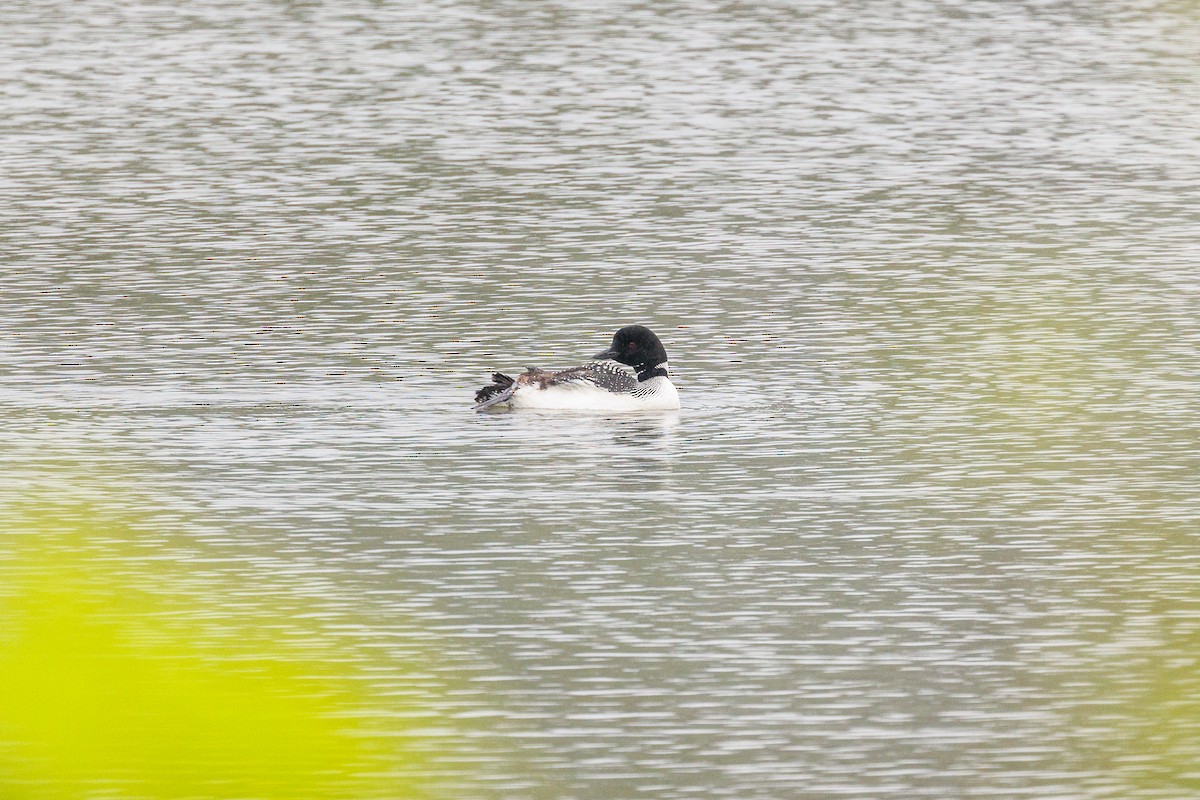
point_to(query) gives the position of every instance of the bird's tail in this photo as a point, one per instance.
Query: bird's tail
(497, 392)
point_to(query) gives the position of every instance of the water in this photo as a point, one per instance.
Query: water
(926, 273)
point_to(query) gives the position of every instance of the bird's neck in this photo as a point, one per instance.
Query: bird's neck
(657, 371)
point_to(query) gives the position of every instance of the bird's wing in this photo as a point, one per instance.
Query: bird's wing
(604, 375)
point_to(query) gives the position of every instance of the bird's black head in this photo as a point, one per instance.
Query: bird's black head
(638, 347)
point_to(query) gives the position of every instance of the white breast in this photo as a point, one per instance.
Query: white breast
(659, 395)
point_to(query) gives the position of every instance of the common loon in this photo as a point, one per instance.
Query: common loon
(631, 375)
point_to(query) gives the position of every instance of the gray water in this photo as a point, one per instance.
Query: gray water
(927, 273)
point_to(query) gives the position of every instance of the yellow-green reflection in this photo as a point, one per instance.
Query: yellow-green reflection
(1149, 681)
(112, 682)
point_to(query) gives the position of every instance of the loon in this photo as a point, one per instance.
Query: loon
(631, 375)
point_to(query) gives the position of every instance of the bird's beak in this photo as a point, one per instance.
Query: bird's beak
(605, 354)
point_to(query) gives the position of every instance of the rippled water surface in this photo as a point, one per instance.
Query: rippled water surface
(928, 275)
